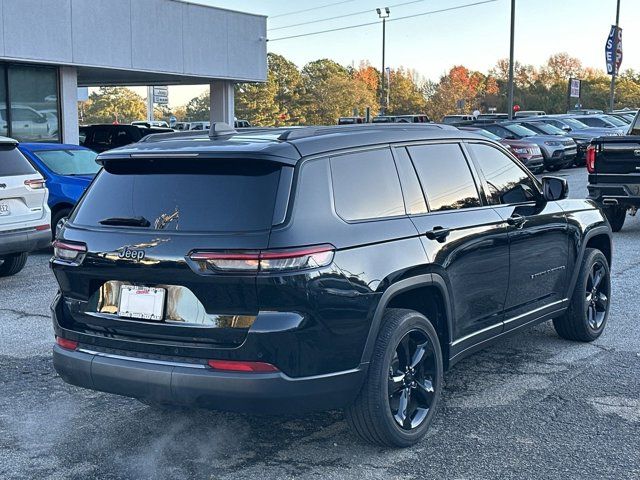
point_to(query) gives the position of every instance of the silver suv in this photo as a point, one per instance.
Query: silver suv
(25, 218)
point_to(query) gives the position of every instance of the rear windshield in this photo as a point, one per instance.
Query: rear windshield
(70, 162)
(12, 162)
(206, 195)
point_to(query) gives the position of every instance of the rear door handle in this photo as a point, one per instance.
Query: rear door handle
(438, 233)
(516, 220)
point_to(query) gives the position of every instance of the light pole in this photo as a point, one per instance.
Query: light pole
(614, 72)
(513, 24)
(383, 14)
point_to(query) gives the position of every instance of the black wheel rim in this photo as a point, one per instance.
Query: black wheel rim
(412, 380)
(597, 295)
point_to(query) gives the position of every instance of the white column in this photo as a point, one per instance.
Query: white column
(69, 104)
(222, 101)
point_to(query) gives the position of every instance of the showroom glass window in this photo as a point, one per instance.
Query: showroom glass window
(33, 97)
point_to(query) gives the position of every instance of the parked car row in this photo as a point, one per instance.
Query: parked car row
(562, 139)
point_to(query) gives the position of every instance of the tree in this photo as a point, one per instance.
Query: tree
(114, 104)
(405, 94)
(198, 108)
(331, 92)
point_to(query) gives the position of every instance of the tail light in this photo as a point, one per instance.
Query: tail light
(265, 260)
(67, 344)
(35, 184)
(72, 253)
(591, 158)
(241, 366)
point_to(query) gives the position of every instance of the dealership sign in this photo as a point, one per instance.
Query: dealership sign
(574, 88)
(161, 95)
(615, 37)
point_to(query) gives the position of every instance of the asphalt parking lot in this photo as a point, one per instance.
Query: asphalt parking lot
(532, 406)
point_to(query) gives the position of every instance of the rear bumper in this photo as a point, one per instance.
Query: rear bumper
(197, 385)
(24, 240)
(627, 195)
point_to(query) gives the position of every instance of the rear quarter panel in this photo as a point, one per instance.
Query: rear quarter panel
(338, 304)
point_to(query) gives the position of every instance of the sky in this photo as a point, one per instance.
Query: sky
(475, 36)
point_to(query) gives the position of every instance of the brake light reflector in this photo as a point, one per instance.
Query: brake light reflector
(241, 366)
(265, 260)
(41, 228)
(591, 159)
(69, 252)
(35, 184)
(66, 343)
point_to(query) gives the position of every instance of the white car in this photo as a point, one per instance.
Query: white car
(25, 217)
(26, 123)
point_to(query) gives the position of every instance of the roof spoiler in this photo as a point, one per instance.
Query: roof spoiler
(221, 129)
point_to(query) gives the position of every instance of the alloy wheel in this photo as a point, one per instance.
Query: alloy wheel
(597, 295)
(412, 377)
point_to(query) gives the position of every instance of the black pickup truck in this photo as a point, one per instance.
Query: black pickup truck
(614, 174)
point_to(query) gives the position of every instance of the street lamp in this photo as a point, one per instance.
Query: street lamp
(383, 14)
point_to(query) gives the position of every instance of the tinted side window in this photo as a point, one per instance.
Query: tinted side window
(366, 185)
(445, 177)
(506, 181)
(13, 163)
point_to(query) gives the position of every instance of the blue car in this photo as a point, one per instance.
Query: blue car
(67, 170)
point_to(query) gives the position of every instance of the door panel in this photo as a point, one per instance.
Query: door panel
(474, 258)
(467, 242)
(539, 249)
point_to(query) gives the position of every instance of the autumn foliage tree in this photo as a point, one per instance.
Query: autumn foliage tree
(114, 104)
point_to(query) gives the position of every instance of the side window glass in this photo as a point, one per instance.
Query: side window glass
(445, 176)
(366, 185)
(507, 182)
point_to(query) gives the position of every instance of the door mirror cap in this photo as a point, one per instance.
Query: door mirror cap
(555, 188)
(566, 128)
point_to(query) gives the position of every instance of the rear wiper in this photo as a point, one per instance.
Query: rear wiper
(126, 221)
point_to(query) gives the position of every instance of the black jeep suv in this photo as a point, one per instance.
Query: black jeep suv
(314, 268)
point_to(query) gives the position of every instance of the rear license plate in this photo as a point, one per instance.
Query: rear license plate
(141, 302)
(4, 210)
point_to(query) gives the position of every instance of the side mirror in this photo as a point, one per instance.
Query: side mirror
(566, 128)
(554, 188)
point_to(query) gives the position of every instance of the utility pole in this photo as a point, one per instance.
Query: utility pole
(513, 24)
(614, 73)
(383, 14)
(149, 104)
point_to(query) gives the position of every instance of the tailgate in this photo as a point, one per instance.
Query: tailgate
(618, 156)
(19, 203)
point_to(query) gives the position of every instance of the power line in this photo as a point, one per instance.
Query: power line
(361, 12)
(459, 7)
(310, 9)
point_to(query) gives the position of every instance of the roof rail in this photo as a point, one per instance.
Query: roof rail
(297, 133)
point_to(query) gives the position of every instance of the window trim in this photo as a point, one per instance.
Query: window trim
(483, 180)
(470, 165)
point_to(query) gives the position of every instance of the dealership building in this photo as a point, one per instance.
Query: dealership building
(49, 48)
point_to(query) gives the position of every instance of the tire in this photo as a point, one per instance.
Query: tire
(57, 218)
(588, 311)
(375, 415)
(616, 217)
(12, 264)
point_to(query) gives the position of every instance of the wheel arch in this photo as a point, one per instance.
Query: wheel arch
(598, 237)
(63, 205)
(422, 293)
